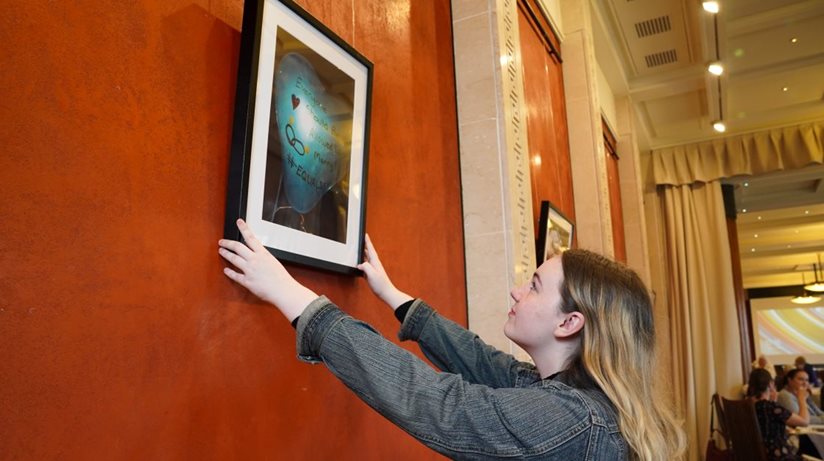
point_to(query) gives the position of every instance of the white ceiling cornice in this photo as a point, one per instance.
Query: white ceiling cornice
(775, 17)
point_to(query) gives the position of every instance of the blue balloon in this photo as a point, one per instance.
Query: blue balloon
(312, 152)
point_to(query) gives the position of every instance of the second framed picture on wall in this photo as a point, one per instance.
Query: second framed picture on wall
(300, 141)
(555, 233)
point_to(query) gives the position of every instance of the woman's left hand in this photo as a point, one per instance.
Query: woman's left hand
(263, 275)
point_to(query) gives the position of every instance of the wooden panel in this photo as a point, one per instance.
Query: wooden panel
(542, 27)
(120, 336)
(551, 172)
(616, 209)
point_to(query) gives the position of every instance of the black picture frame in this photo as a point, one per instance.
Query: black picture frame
(300, 140)
(555, 232)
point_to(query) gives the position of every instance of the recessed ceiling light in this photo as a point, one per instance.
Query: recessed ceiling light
(759, 218)
(744, 210)
(711, 7)
(794, 40)
(752, 250)
(719, 126)
(806, 211)
(785, 89)
(746, 184)
(756, 235)
(716, 68)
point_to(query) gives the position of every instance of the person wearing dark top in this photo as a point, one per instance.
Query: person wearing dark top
(801, 364)
(773, 419)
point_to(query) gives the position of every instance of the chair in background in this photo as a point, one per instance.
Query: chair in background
(742, 430)
(722, 420)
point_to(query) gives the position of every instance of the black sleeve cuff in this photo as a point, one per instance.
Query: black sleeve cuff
(295, 322)
(400, 312)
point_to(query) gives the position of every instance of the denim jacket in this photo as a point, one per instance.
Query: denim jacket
(484, 405)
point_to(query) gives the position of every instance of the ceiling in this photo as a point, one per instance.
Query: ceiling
(656, 52)
(780, 226)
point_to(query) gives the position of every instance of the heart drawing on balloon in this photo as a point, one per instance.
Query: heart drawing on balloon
(314, 145)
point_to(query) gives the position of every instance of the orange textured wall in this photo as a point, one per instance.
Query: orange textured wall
(119, 335)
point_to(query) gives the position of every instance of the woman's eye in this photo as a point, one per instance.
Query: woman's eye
(532, 287)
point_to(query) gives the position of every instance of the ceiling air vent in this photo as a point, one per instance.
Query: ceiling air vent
(659, 59)
(653, 26)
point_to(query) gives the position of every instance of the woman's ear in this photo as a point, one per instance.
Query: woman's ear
(572, 324)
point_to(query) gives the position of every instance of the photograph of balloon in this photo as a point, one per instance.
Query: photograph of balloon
(554, 233)
(310, 132)
(300, 139)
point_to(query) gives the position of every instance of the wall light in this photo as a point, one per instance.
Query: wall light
(711, 7)
(719, 126)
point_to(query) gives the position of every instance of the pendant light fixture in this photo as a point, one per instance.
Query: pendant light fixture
(818, 285)
(804, 297)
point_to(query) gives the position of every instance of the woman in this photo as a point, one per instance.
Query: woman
(773, 418)
(798, 380)
(585, 321)
(801, 364)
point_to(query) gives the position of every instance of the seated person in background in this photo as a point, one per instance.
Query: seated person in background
(801, 364)
(798, 384)
(773, 418)
(765, 364)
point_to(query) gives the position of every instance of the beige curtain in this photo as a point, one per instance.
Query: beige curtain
(705, 345)
(747, 154)
(703, 321)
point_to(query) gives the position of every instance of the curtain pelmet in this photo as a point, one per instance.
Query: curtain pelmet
(747, 154)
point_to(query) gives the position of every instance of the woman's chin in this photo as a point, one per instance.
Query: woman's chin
(506, 330)
(509, 330)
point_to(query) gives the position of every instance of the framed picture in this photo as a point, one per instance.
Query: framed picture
(554, 233)
(298, 164)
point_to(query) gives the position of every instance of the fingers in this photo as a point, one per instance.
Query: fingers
(234, 275)
(249, 236)
(371, 254)
(236, 247)
(370, 249)
(367, 269)
(233, 258)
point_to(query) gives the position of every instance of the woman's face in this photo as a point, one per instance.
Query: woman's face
(799, 381)
(536, 312)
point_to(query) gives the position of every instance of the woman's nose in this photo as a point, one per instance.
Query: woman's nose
(516, 293)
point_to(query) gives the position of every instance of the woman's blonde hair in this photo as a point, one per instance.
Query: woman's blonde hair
(617, 350)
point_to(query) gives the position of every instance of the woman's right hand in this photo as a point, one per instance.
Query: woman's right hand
(378, 279)
(259, 272)
(801, 393)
